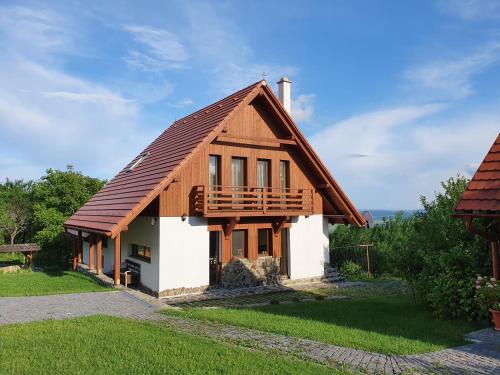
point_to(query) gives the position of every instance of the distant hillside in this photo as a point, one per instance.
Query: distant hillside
(379, 214)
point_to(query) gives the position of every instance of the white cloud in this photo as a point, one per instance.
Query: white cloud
(303, 108)
(452, 79)
(188, 102)
(387, 158)
(471, 10)
(51, 118)
(225, 53)
(157, 49)
(36, 31)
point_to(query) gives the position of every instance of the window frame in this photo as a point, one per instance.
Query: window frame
(245, 244)
(269, 237)
(134, 254)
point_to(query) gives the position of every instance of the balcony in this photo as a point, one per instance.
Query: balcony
(227, 201)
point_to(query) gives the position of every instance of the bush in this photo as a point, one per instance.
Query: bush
(352, 271)
(488, 293)
(432, 251)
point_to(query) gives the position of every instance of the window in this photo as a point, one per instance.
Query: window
(238, 177)
(141, 252)
(263, 175)
(238, 172)
(284, 175)
(239, 243)
(214, 171)
(265, 242)
(139, 161)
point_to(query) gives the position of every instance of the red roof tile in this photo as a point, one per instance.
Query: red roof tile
(128, 189)
(483, 192)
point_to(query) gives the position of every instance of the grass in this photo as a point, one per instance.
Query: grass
(107, 345)
(29, 283)
(384, 324)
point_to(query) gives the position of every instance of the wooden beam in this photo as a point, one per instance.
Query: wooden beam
(279, 225)
(91, 254)
(323, 186)
(116, 275)
(260, 141)
(80, 247)
(99, 254)
(75, 254)
(229, 226)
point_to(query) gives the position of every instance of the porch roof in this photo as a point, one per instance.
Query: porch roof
(482, 196)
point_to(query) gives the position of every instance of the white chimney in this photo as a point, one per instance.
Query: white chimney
(284, 89)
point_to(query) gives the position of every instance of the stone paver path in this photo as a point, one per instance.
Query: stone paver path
(480, 357)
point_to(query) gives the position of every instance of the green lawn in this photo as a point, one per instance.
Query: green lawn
(106, 345)
(28, 283)
(384, 324)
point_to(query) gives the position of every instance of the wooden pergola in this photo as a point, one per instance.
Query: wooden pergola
(479, 206)
(25, 248)
(95, 251)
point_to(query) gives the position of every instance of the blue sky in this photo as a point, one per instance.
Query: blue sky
(395, 96)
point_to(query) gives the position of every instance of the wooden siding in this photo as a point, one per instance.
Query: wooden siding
(251, 121)
(252, 227)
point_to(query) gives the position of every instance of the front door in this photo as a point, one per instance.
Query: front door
(214, 257)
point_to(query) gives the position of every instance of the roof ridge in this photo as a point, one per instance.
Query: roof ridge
(249, 87)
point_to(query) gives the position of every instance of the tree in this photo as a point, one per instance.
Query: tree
(16, 212)
(58, 195)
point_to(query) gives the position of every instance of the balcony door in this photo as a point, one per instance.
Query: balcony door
(238, 177)
(284, 180)
(214, 180)
(263, 178)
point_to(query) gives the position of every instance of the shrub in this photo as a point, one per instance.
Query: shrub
(352, 271)
(488, 293)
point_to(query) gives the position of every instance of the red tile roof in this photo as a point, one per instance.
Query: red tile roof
(483, 192)
(126, 192)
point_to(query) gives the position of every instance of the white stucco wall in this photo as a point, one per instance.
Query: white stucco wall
(309, 245)
(184, 253)
(142, 232)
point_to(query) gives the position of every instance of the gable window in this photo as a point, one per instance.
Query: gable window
(141, 252)
(284, 175)
(265, 242)
(214, 171)
(239, 244)
(238, 176)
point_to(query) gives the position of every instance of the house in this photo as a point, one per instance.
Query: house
(481, 200)
(230, 195)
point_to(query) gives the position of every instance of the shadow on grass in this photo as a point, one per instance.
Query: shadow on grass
(398, 316)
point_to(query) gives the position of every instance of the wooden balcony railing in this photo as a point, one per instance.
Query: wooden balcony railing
(220, 201)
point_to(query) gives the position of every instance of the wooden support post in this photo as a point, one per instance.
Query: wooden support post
(229, 226)
(117, 259)
(368, 261)
(91, 254)
(75, 254)
(80, 246)
(99, 254)
(494, 259)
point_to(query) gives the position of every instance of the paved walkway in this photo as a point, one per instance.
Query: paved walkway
(480, 357)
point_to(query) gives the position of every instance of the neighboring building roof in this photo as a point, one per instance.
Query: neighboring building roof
(482, 195)
(19, 248)
(129, 192)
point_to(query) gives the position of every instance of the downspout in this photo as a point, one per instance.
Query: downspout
(492, 237)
